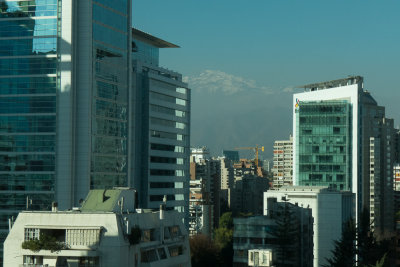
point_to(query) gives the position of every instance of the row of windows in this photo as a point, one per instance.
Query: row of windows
(170, 87)
(166, 135)
(10, 13)
(101, 181)
(110, 18)
(18, 201)
(167, 98)
(119, 5)
(109, 145)
(21, 66)
(26, 124)
(309, 149)
(33, 104)
(322, 168)
(161, 172)
(114, 71)
(110, 91)
(28, 85)
(27, 162)
(171, 148)
(29, 27)
(326, 107)
(28, 47)
(109, 127)
(111, 109)
(168, 123)
(167, 160)
(109, 36)
(108, 164)
(30, 143)
(156, 185)
(27, 182)
(169, 111)
(159, 198)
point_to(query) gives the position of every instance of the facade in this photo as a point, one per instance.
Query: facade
(247, 194)
(64, 80)
(396, 187)
(232, 155)
(333, 124)
(283, 163)
(259, 234)
(330, 210)
(204, 203)
(161, 128)
(106, 231)
(71, 115)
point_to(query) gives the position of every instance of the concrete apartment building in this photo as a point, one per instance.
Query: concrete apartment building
(106, 231)
(258, 233)
(330, 210)
(343, 140)
(283, 163)
(73, 115)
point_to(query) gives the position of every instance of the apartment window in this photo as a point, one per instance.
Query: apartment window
(31, 234)
(175, 251)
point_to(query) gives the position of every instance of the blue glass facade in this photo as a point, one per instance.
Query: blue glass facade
(28, 93)
(111, 35)
(324, 144)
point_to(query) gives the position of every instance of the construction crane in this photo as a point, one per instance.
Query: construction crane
(256, 148)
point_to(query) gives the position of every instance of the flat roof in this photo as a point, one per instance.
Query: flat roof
(334, 83)
(150, 39)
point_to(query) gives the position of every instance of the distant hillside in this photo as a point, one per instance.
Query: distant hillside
(229, 112)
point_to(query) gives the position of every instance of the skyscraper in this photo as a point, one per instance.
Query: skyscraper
(64, 80)
(161, 127)
(73, 116)
(343, 140)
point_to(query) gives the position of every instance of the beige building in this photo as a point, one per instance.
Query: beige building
(283, 163)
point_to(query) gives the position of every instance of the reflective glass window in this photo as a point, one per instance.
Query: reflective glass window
(110, 18)
(119, 5)
(109, 36)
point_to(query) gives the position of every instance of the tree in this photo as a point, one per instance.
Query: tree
(223, 237)
(367, 248)
(286, 234)
(45, 242)
(343, 255)
(203, 251)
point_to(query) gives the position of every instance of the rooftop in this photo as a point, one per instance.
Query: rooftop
(334, 83)
(150, 39)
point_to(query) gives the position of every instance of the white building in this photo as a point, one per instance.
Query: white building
(330, 210)
(106, 231)
(343, 140)
(283, 163)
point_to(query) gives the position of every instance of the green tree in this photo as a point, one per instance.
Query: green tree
(45, 242)
(203, 251)
(343, 255)
(223, 237)
(367, 247)
(286, 234)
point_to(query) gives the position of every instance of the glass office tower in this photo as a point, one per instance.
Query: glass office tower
(324, 140)
(64, 79)
(342, 139)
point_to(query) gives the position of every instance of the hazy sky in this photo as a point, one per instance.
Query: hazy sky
(271, 46)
